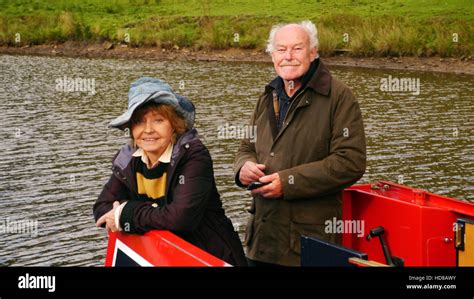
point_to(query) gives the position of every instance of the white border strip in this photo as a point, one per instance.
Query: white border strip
(130, 253)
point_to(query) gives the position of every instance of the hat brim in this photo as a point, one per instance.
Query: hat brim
(160, 97)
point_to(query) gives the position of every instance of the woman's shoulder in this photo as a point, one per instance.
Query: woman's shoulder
(191, 146)
(190, 141)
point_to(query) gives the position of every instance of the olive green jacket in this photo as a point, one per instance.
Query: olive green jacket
(319, 150)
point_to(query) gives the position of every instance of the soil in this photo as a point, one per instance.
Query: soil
(461, 65)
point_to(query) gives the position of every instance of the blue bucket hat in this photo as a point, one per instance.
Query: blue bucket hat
(148, 89)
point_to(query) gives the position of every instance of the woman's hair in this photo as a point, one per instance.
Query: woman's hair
(177, 122)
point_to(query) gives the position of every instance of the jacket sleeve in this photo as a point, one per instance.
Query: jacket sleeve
(246, 151)
(190, 197)
(345, 163)
(114, 190)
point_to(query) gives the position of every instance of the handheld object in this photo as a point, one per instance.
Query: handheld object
(255, 185)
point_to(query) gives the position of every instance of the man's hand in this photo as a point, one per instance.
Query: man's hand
(251, 172)
(273, 189)
(109, 219)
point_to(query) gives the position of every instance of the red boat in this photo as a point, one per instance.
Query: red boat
(421, 228)
(413, 228)
(156, 248)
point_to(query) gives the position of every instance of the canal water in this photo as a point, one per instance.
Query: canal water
(56, 148)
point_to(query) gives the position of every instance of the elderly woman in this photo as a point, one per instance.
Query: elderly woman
(165, 180)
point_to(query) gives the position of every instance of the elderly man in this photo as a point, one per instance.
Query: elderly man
(310, 145)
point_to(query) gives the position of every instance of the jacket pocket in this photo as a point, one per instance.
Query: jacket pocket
(304, 229)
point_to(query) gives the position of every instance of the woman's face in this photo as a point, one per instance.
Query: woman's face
(152, 133)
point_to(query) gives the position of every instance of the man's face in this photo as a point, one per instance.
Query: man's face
(292, 55)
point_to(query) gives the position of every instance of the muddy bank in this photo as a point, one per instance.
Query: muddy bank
(463, 65)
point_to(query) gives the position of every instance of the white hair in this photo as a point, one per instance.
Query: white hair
(306, 25)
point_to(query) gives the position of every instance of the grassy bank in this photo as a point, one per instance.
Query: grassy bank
(358, 28)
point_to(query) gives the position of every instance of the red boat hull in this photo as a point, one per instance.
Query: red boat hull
(157, 248)
(419, 226)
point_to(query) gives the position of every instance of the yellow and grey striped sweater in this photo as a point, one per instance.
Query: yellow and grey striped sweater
(151, 183)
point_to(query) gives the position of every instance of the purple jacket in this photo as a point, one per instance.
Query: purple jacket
(192, 210)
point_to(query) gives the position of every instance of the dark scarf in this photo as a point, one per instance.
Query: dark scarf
(284, 99)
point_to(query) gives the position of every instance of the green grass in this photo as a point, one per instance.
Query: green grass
(375, 28)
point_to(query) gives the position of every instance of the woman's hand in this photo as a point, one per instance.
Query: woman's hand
(109, 219)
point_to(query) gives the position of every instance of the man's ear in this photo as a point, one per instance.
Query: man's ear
(313, 53)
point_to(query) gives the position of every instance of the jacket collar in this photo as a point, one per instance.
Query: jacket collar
(164, 158)
(185, 139)
(320, 82)
(123, 158)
